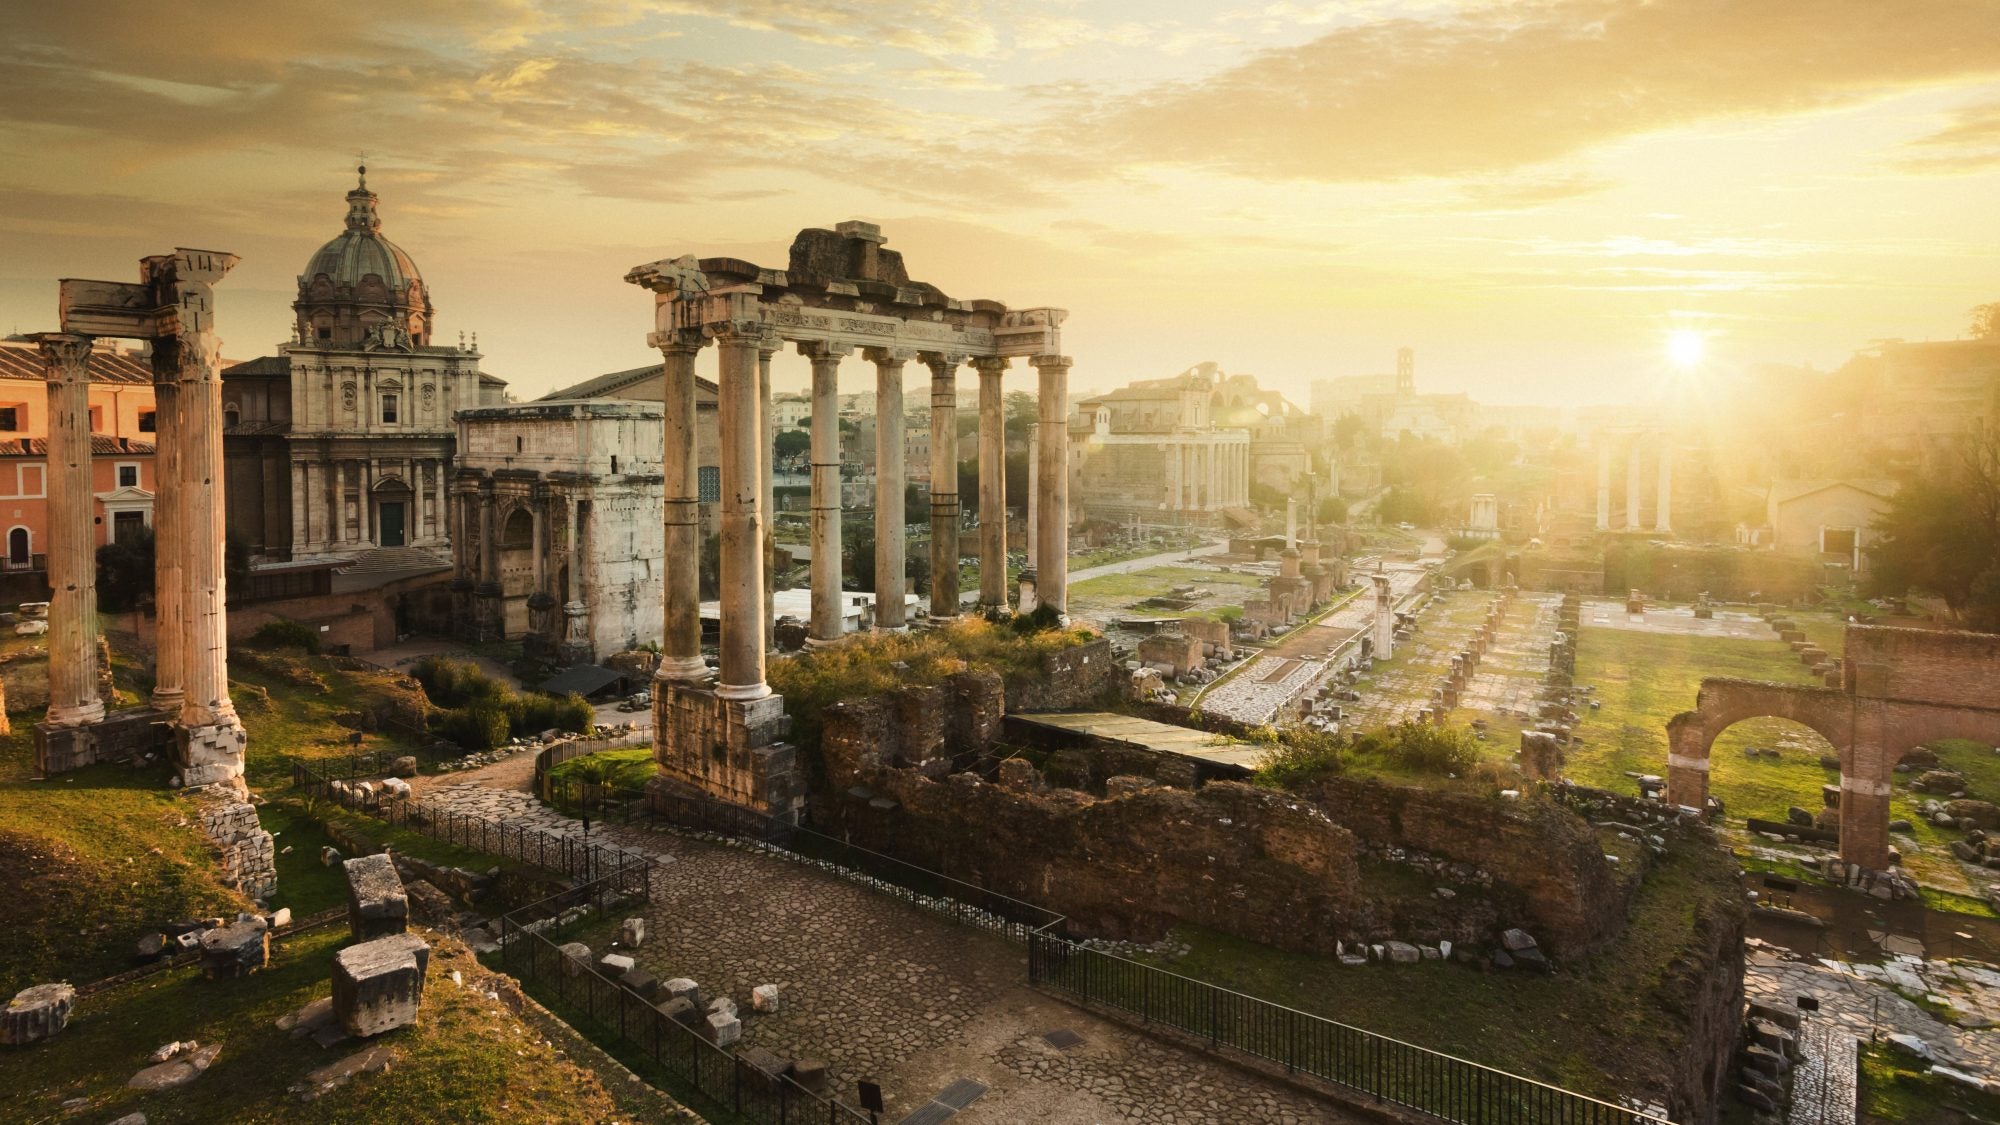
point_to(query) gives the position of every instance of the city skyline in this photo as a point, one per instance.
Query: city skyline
(1539, 198)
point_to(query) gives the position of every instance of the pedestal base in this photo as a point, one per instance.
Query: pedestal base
(731, 751)
(119, 736)
(210, 754)
(488, 621)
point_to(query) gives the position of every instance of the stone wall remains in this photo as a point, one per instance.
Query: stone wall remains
(1071, 678)
(249, 861)
(1923, 666)
(122, 736)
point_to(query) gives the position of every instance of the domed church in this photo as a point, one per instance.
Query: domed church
(342, 443)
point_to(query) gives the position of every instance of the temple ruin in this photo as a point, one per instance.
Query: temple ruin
(841, 291)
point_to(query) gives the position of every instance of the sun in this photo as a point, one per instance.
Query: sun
(1685, 347)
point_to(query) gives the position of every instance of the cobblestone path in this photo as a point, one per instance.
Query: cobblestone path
(881, 989)
(1863, 999)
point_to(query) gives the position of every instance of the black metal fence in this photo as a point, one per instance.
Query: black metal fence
(577, 990)
(1388, 1070)
(583, 862)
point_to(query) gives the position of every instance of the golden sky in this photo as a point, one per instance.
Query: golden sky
(1531, 194)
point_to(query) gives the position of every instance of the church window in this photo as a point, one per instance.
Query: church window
(148, 422)
(388, 408)
(229, 418)
(614, 464)
(325, 333)
(96, 419)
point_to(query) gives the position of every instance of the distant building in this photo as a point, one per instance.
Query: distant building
(790, 412)
(1150, 453)
(649, 384)
(342, 442)
(1282, 436)
(1390, 406)
(1833, 519)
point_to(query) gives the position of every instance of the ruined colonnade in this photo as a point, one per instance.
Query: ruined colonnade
(1635, 480)
(171, 307)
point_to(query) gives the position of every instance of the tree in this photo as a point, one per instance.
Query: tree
(1986, 321)
(1941, 533)
(793, 443)
(125, 571)
(1349, 431)
(1022, 410)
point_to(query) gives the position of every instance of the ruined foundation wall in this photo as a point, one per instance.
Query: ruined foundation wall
(1923, 666)
(1074, 677)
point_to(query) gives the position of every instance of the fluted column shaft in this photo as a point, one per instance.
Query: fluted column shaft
(489, 551)
(1603, 485)
(169, 536)
(890, 478)
(741, 429)
(680, 654)
(1663, 505)
(1052, 539)
(992, 482)
(72, 535)
(825, 626)
(944, 485)
(206, 700)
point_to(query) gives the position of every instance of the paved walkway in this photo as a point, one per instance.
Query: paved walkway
(882, 990)
(1864, 999)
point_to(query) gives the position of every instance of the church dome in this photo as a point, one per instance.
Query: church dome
(360, 289)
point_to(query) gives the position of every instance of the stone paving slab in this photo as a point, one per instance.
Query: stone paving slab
(882, 990)
(1866, 1000)
(1679, 620)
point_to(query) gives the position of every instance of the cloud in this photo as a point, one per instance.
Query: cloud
(1502, 87)
(1971, 143)
(1524, 193)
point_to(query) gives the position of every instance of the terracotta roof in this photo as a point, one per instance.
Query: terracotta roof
(100, 446)
(615, 381)
(22, 359)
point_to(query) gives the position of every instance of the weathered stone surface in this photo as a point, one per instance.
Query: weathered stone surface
(722, 1029)
(616, 964)
(632, 933)
(682, 1011)
(377, 905)
(576, 958)
(36, 1013)
(235, 950)
(405, 766)
(810, 1073)
(1402, 953)
(683, 989)
(642, 982)
(177, 1072)
(1974, 814)
(334, 1075)
(764, 998)
(428, 905)
(379, 985)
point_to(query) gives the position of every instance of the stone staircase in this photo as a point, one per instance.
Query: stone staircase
(383, 560)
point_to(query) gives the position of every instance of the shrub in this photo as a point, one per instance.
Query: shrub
(286, 634)
(1420, 748)
(536, 712)
(482, 725)
(1295, 757)
(453, 683)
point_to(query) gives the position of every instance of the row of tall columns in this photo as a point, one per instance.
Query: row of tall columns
(1207, 475)
(944, 485)
(72, 538)
(319, 501)
(1663, 501)
(745, 427)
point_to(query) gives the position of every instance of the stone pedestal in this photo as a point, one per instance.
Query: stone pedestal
(122, 735)
(376, 903)
(378, 985)
(489, 614)
(235, 950)
(210, 754)
(727, 750)
(576, 647)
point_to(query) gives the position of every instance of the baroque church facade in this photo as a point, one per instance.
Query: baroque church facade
(343, 442)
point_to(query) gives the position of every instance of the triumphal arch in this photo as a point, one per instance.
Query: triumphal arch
(841, 292)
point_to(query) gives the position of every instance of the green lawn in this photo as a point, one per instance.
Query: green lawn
(290, 712)
(467, 1053)
(1158, 580)
(1895, 1088)
(627, 769)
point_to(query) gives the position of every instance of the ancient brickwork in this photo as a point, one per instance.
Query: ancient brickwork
(248, 859)
(727, 749)
(1070, 678)
(120, 736)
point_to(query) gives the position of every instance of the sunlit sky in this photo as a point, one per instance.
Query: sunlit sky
(1534, 195)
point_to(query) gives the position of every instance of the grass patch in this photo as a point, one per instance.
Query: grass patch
(618, 769)
(1156, 581)
(468, 1060)
(296, 705)
(92, 861)
(1596, 1026)
(1894, 1087)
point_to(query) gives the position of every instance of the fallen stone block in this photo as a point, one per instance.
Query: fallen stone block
(680, 1010)
(684, 989)
(177, 1072)
(810, 1073)
(722, 1029)
(235, 950)
(334, 1075)
(642, 982)
(36, 1013)
(616, 964)
(762, 1068)
(723, 1005)
(428, 904)
(376, 903)
(379, 985)
(633, 933)
(764, 998)
(1402, 953)
(151, 947)
(1517, 940)
(576, 958)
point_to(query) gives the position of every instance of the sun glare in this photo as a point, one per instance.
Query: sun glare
(1685, 347)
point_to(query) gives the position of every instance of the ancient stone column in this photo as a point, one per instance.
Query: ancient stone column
(72, 534)
(1034, 494)
(1687, 763)
(944, 484)
(992, 482)
(742, 584)
(1603, 484)
(889, 483)
(825, 626)
(1634, 493)
(680, 653)
(210, 738)
(489, 554)
(767, 446)
(1052, 546)
(1385, 618)
(1663, 503)
(169, 534)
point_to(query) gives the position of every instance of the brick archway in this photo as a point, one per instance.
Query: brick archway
(1901, 688)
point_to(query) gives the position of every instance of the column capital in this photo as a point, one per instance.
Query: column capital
(738, 333)
(769, 343)
(889, 357)
(989, 365)
(1042, 362)
(940, 363)
(682, 341)
(65, 355)
(823, 351)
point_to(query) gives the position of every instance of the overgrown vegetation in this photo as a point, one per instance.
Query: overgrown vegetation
(1298, 756)
(283, 634)
(1941, 532)
(479, 712)
(1895, 1087)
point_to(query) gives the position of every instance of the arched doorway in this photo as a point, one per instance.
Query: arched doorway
(1778, 774)
(517, 569)
(392, 512)
(20, 547)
